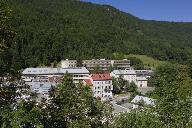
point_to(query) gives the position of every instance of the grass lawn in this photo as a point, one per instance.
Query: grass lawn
(149, 62)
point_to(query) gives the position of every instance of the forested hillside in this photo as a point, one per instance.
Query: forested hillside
(49, 30)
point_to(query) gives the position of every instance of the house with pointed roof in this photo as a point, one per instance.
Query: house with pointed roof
(101, 85)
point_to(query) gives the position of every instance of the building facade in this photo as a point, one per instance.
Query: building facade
(102, 64)
(41, 79)
(101, 85)
(121, 64)
(130, 76)
(141, 82)
(68, 63)
(144, 73)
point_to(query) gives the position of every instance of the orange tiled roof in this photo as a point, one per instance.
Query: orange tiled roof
(98, 77)
(88, 82)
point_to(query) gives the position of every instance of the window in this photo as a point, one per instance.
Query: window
(140, 85)
(108, 82)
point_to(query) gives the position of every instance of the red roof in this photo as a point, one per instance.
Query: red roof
(88, 82)
(100, 77)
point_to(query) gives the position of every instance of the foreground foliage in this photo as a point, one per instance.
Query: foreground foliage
(73, 105)
(172, 108)
(69, 106)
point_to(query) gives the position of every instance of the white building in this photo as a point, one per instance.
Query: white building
(41, 79)
(68, 63)
(101, 85)
(130, 76)
(103, 64)
(141, 82)
(141, 99)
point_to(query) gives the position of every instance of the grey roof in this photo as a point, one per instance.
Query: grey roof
(124, 72)
(144, 72)
(41, 71)
(141, 79)
(127, 105)
(119, 109)
(148, 101)
(145, 90)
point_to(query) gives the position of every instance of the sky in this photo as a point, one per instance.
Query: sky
(161, 10)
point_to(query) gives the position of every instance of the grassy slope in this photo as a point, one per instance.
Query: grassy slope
(148, 61)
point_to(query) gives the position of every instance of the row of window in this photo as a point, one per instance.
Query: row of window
(46, 77)
(121, 62)
(106, 87)
(131, 76)
(72, 65)
(80, 76)
(98, 92)
(71, 62)
(98, 62)
(100, 66)
(103, 82)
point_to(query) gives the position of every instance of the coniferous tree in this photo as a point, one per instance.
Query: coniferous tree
(172, 97)
(73, 105)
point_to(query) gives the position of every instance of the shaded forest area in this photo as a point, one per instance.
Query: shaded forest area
(49, 31)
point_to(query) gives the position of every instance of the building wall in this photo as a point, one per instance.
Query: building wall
(80, 77)
(135, 106)
(121, 64)
(130, 78)
(114, 75)
(141, 84)
(102, 89)
(68, 63)
(42, 82)
(102, 64)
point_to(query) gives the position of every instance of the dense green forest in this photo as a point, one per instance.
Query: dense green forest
(49, 31)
